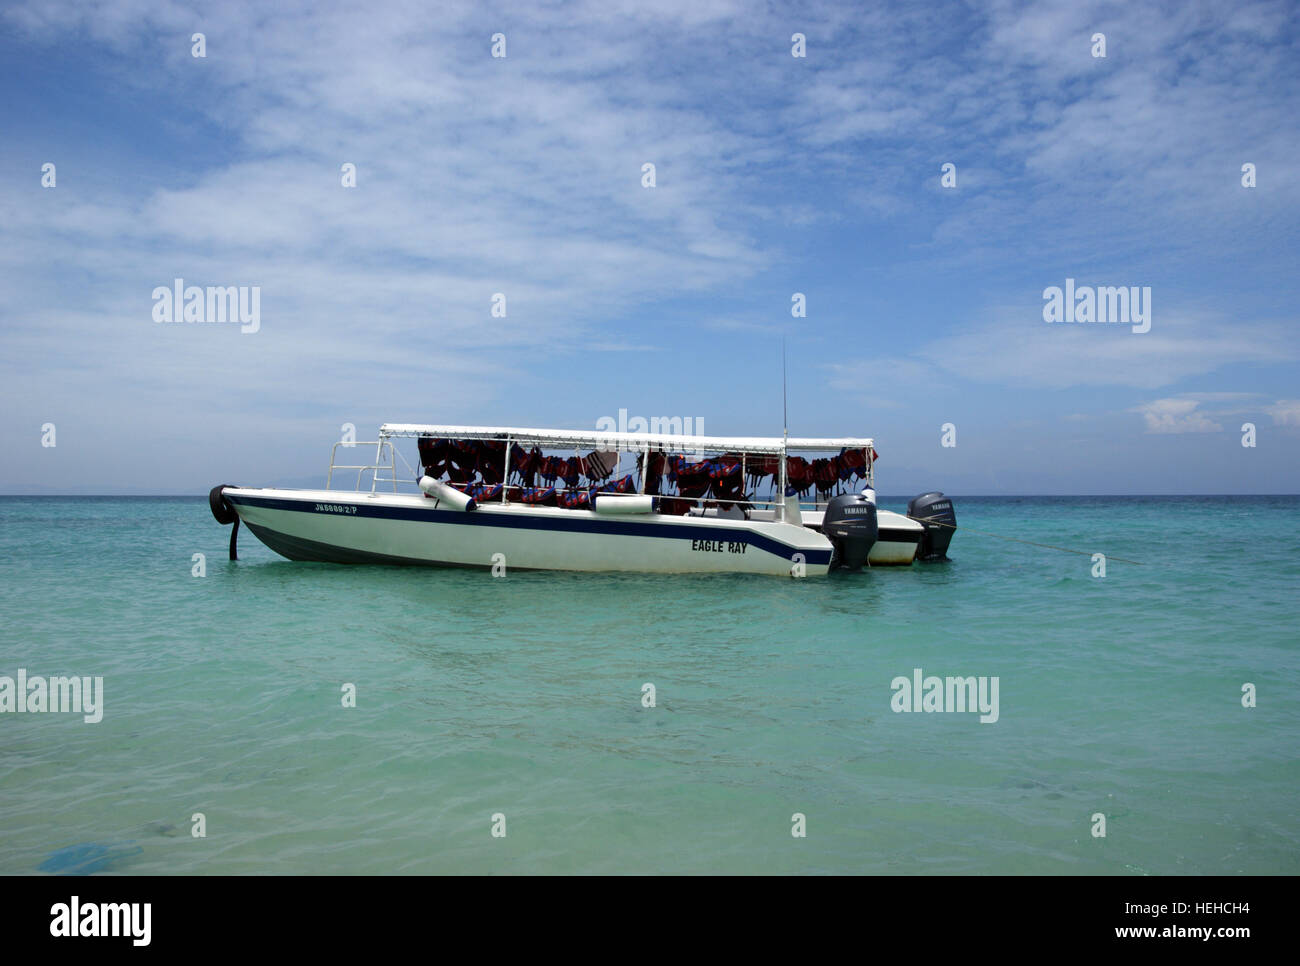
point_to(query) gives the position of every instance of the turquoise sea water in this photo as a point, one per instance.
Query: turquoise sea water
(523, 696)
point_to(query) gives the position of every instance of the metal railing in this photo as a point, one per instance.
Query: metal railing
(382, 447)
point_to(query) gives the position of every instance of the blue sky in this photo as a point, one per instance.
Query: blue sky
(774, 175)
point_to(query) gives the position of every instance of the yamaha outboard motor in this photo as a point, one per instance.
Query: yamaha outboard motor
(850, 525)
(933, 511)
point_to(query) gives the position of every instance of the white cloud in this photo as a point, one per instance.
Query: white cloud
(1176, 415)
(1019, 349)
(475, 176)
(1285, 412)
(882, 383)
(522, 176)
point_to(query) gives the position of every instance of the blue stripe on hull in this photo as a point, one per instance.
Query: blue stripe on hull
(626, 528)
(299, 548)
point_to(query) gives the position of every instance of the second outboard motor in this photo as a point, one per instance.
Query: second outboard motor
(935, 512)
(850, 525)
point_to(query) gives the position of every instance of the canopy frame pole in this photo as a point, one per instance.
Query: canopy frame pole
(379, 458)
(505, 475)
(780, 496)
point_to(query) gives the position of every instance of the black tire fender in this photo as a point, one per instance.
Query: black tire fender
(222, 511)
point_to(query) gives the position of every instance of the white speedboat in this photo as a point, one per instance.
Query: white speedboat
(501, 498)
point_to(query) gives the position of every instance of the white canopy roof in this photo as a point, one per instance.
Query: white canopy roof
(597, 439)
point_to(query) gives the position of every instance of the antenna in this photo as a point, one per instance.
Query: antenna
(785, 412)
(780, 481)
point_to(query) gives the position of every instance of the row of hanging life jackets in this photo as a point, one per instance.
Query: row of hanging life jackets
(720, 478)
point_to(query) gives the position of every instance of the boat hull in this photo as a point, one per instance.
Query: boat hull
(338, 527)
(898, 540)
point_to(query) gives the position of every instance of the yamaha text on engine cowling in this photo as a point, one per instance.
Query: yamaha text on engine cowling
(850, 525)
(935, 512)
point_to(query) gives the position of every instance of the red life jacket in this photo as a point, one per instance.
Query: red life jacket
(433, 455)
(653, 475)
(824, 474)
(537, 496)
(758, 467)
(492, 460)
(674, 507)
(462, 460)
(798, 475)
(551, 468)
(526, 463)
(693, 481)
(731, 490)
(724, 466)
(625, 485)
(572, 471)
(575, 500)
(597, 465)
(852, 462)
